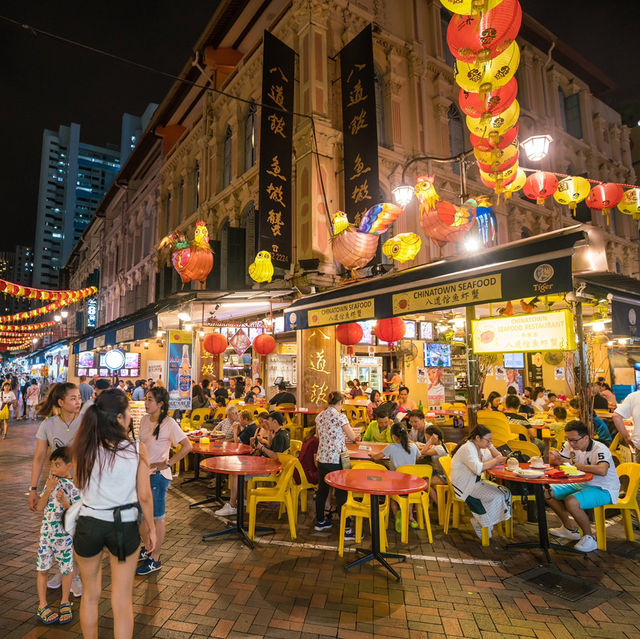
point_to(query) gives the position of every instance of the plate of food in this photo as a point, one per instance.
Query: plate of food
(528, 472)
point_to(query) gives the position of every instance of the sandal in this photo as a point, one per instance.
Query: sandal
(65, 613)
(46, 615)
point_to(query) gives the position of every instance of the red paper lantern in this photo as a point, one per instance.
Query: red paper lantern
(496, 167)
(390, 330)
(603, 197)
(482, 37)
(495, 141)
(348, 335)
(490, 104)
(264, 344)
(215, 343)
(540, 185)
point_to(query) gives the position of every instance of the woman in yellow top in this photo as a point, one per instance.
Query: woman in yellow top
(379, 430)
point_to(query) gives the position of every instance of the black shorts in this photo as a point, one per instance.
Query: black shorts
(92, 535)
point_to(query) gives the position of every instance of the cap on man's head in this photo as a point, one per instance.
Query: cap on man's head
(102, 384)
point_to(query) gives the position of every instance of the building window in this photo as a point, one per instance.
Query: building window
(226, 169)
(456, 134)
(250, 136)
(445, 18)
(168, 214)
(196, 186)
(618, 268)
(380, 120)
(570, 113)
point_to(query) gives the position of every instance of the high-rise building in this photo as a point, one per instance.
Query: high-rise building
(74, 177)
(23, 275)
(133, 127)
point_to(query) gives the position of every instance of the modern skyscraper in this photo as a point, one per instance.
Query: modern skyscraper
(133, 127)
(74, 177)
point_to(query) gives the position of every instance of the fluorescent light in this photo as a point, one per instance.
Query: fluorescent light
(183, 316)
(598, 327)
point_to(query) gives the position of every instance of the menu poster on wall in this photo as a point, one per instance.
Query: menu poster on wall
(179, 379)
(155, 369)
(534, 366)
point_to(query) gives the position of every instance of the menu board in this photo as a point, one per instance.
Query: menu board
(409, 329)
(86, 360)
(426, 331)
(132, 360)
(367, 332)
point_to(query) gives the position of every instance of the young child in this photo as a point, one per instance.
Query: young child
(400, 453)
(55, 543)
(434, 448)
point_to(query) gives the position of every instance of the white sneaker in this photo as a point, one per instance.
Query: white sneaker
(54, 581)
(587, 544)
(76, 586)
(227, 510)
(565, 533)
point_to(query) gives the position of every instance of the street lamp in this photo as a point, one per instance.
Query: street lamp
(64, 314)
(57, 318)
(536, 147)
(403, 194)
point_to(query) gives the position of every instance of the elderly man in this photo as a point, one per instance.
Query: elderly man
(226, 425)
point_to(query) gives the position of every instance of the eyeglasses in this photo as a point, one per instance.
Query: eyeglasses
(573, 441)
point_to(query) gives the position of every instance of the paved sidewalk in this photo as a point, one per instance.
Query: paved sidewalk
(453, 588)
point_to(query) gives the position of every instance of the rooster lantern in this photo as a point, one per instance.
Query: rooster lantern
(194, 260)
(442, 221)
(355, 247)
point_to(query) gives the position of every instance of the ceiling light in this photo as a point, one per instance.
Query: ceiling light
(183, 316)
(598, 327)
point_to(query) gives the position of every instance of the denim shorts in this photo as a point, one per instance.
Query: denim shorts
(159, 487)
(587, 496)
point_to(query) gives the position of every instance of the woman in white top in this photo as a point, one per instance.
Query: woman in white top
(7, 399)
(489, 503)
(159, 433)
(112, 475)
(332, 429)
(33, 396)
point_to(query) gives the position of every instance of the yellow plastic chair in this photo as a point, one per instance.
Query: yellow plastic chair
(295, 446)
(620, 452)
(199, 416)
(421, 500)
(359, 506)
(356, 415)
(519, 429)
(281, 407)
(220, 413)
(308, 433)
(626, 505)
(280, 493)
(450, 446)
(300, 491)
(528, 448)
(454, 504)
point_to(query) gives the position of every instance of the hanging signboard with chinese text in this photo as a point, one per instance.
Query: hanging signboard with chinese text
(276, 146)
(359, 128)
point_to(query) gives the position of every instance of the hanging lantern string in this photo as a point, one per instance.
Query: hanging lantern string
(564, 175)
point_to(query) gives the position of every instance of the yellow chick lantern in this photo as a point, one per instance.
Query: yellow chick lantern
(261, 269)
(402, 247)
(340, 222)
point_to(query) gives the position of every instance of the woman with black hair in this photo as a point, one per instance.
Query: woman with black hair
(159, 433)
(198, 398)
(112, 474)
(494, 400)
(489, 503)
(240, 388)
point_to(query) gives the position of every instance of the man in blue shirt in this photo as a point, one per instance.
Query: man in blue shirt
(139, 391)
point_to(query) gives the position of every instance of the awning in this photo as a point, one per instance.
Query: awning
(527, 268)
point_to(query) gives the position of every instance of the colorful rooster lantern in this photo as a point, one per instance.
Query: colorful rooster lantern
(630, 203)
(194, 260)
(261, 269)
(482, 37)
(442, 221)
(483, 77)
(540, 185)
(349, 335)
(390, 330)
(402, 247)
(470, 7)
(263, 345)
(355, 247)
(488, 104)
(603, 197)
(571, 191)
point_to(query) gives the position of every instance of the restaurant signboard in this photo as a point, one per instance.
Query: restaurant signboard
(550, 331)
(625, 319)
(350, 312)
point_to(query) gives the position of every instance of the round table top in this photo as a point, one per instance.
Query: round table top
(309, 411)
(220, 449)
(212, 435)
(241, 465)
(500, 472)
(375, 482)
(357, 452)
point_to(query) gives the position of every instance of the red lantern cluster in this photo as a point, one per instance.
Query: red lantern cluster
(603, 197)
(479, 42)
(349, 335)
(215, 343)
(264, 345)
(39, 294)
(24, 328)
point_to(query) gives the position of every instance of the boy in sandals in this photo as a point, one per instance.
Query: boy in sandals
(55, 543)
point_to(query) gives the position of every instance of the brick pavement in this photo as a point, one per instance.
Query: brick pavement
(453, 588)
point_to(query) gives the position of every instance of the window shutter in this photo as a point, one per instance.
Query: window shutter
(235, 259)
(573, 117)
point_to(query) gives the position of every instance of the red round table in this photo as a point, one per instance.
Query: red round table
(357, 452)
(215, 448)
(500, 472)
(214, 434)
(241, 465)
(375, 483)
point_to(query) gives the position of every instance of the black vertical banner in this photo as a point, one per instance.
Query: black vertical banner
(276, 147)
(360, 133)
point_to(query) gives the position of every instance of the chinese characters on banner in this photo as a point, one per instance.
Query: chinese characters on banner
(319, 358)
(276, 146)
(359, 127)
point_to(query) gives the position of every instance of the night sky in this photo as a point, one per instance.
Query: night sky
(45, 83)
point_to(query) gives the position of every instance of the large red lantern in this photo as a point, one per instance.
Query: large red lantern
(488, 104)
(349, 335)
(390, 330)
(603, 197)
(215, 343)
(264, 344)
(482, 37)
(540, 185)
